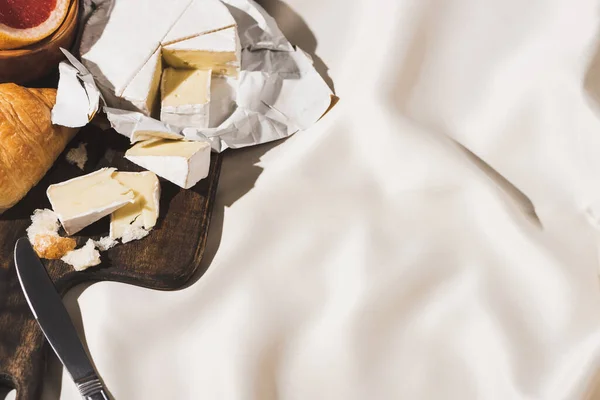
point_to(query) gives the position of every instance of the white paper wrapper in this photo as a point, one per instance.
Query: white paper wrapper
(277, 93)
(257, 29)
(77, 97)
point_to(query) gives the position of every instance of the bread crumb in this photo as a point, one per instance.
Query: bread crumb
(43, 222)
(83, 258)
(105, 243)
(53, 247)
(78, 156)
(134, 233)
(43, 235)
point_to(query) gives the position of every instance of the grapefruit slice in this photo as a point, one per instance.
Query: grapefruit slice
(23, 22)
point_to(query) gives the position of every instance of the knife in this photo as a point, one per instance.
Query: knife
(52, 316)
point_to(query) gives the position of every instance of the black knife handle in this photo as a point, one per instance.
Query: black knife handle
(92, 389)
(97, 396)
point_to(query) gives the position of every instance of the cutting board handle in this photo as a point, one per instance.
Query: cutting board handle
(164, 260)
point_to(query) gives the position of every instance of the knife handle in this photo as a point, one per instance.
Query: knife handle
(97, 396)
(92, 389)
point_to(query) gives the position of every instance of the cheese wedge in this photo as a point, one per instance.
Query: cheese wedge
(219, 51)
(181, 162)
(142, 93)
(185, 96)
(84, 200)
(121, 44)
(200, 17)
(143, 212)
(127, 34)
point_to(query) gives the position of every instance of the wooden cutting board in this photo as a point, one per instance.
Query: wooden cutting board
(165, 260)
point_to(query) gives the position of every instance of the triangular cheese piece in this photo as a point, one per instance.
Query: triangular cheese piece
(182, 162)
(81, 201)
(115, 48)
(142, 92)
(201, 16)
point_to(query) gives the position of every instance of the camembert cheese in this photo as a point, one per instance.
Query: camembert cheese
(143, 212)
(123, 42)
(185, 96)
(219, 51)
(142, 92)
(84, 200)
(182, 162)
(199, 18)
(128, 33)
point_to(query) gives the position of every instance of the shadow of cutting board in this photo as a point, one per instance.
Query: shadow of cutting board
(166, 259)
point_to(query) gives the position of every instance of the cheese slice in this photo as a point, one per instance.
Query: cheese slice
(219, 51)
(200, 17)
(121, 36)
(185, 96)
(182, 162)
(143, 212)
(84, 200)
(142, 92)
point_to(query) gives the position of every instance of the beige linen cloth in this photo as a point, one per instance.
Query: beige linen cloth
(434, 237)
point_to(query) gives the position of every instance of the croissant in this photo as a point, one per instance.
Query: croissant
(29, 142)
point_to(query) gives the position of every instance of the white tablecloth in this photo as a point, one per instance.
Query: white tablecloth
(433, 237)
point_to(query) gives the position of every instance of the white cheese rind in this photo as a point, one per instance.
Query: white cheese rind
(75, 224)
(142, 93)
(185, 98)
(184, 170)
(191, 24)
(122, 36)
(115, 51)
(117, 196)
(187, 116)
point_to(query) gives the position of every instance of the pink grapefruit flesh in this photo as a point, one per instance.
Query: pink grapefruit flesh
(23, 22)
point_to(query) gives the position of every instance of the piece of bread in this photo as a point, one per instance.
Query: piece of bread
(53, 247)
(29, 143)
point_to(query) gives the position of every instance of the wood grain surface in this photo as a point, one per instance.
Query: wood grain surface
(165, 260)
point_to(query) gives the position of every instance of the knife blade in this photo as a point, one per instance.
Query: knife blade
(52, 316)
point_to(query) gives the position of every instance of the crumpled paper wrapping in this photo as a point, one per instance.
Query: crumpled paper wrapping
(277, 93)
(77, 97)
